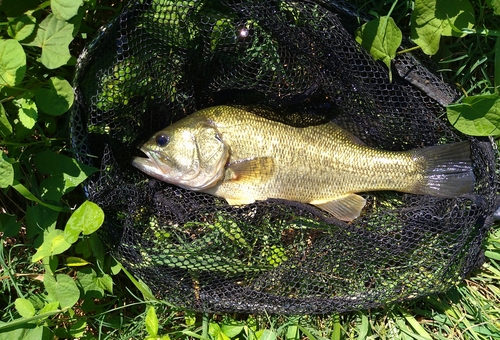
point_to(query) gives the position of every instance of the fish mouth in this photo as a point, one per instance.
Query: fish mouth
(151, 164)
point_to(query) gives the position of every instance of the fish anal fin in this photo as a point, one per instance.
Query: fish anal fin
(255, 170)
(240, 201)
(345, 208)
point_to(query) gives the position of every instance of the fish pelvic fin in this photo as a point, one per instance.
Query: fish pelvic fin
(447, 170)
(345, 208)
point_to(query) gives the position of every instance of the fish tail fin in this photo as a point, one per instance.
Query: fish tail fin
(447, 170)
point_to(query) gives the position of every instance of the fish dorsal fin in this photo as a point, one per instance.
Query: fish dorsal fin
(345, 208)
(255, 170)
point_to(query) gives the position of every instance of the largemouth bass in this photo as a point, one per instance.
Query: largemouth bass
(232, 153)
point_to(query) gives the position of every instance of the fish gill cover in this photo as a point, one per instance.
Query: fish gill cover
(295, 62)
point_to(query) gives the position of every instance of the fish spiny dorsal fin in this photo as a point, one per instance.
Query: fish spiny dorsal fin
(345, 208)
(254, 170)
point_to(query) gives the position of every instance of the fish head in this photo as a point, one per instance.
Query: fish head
(190, 154)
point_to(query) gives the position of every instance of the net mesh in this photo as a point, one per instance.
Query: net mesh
(161, 60)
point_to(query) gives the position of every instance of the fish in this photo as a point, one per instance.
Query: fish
(232, 153)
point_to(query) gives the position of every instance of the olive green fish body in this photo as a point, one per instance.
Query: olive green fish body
(323, 165)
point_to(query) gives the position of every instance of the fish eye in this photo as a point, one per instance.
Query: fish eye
(162, 140)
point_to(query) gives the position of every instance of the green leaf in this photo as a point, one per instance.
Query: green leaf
(12, 62)
(105, 282)
(27, 331)
(476, 115)
(231, 330)
(53, 244)
(24, 307)
(143, 288)
(50, 263)
(5, 127)
(496, 65)
(78, 328)
(39, 219)
(73, 261)
(87, 277)
(266, 334)
(50, 307)
(495, 5)
(8, 225)
(215, 332)
(27, 111)
(151, 321)
(65, 174)
(54, 36)
(82, 247)
(28, 195)
(381, 38)
(15, 8)
(21, 27)
(6, 171)
(62, 288)
(431, 19)
(65, 9)
(86, 219)
(57, 99)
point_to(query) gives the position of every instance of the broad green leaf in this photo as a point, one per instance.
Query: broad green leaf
(39, 219)
(28, 195)
(86, 219)
(50, 307)
(476, 115)
(57, 99)
(50, 264)
(27, 332)
(5, 126)
(12, 62)
(52, 163)
(65, 9)
(6, 171)
(21, 27)
(266, 334)
(215, 332)
(9, 225)
(82, 247)
(87, 278)
(231, 330)
(53, 244)
(431, 19)
(24, 307)
(65, 174)
(15, 8)
(78, 328)
(62, 288)
(151, 321)
(54, 36)
(27, 111)
(105, 282)
(495, 5)
(381, 37)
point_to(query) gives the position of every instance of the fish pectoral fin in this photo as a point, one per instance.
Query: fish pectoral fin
(253, 170)
(240, 201)
(345, 208)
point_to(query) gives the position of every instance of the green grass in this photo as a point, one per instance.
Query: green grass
(469, 311)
